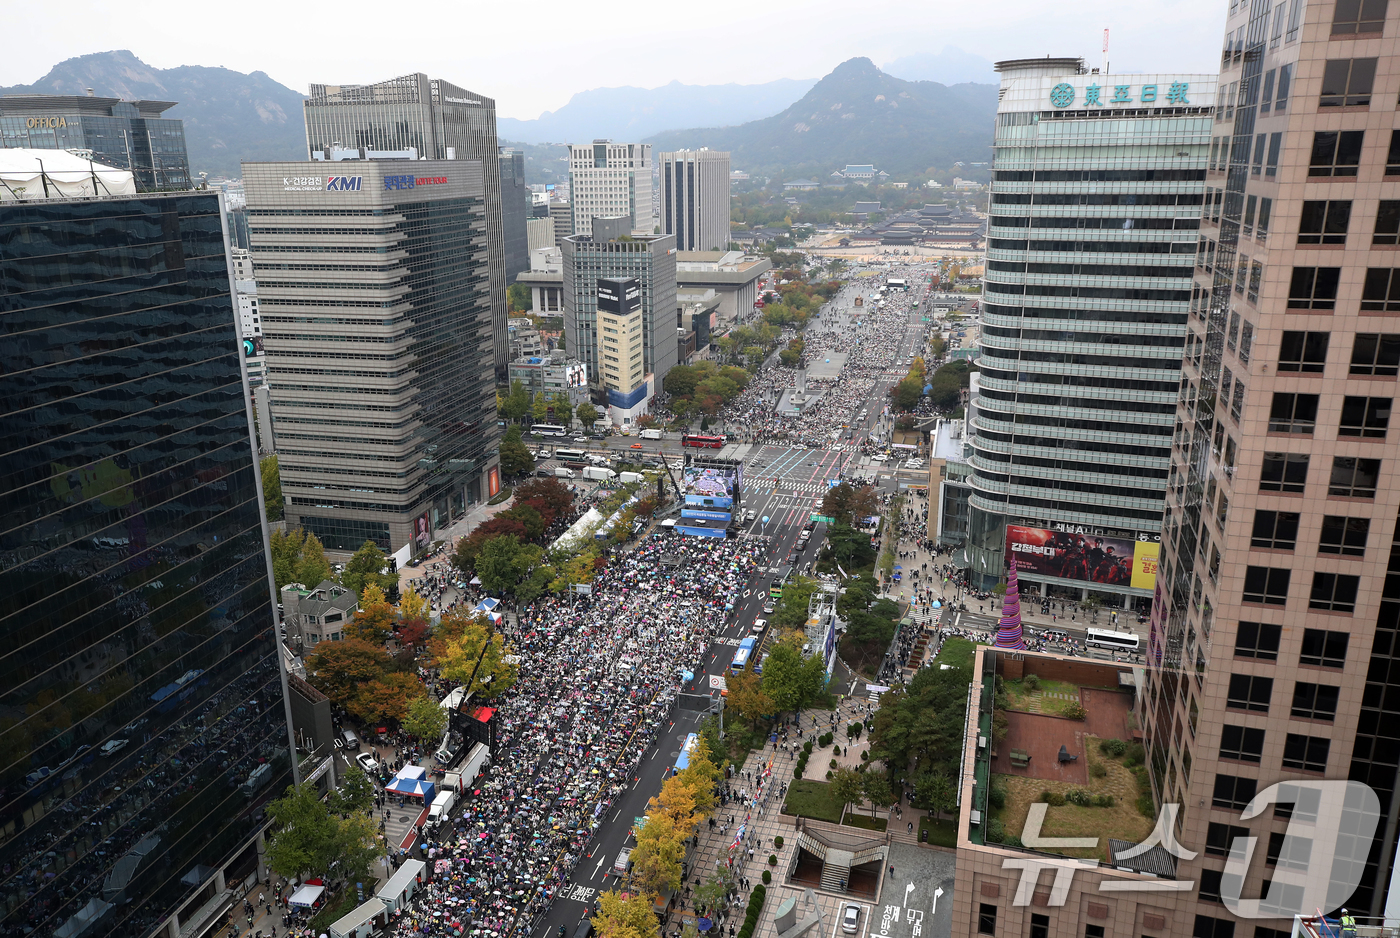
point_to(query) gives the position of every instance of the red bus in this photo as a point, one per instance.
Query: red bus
(695, 439)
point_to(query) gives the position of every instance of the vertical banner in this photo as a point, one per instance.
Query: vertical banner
(493, 481)
(1145, 555)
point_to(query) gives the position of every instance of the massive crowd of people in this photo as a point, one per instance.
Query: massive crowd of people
(598, 677)
(869, 337)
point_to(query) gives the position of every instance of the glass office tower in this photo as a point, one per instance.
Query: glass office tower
(142, 716)
(1096, 202)
(125, 134)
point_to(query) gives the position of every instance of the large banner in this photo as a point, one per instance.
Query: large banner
(1093, 558)
(709, 486)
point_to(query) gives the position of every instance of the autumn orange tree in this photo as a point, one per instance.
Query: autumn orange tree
(746, 696)
(685, 799)
(339, 669)
(375, 619)
(386, 698)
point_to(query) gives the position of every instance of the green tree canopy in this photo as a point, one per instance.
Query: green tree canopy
(919, 729)
(517, 403)
(354, 795)
(366, 568)
(790, 681)
(307, 837)
(516, 459)
(426, 720)
(847, 786)
(587, 414)
(272, 487)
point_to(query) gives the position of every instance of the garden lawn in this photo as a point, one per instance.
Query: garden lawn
(808, 798)
(958, 653)
(1123, 821)
(855, 819)
(940, 831)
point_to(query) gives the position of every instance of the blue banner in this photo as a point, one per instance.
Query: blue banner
(722, 516)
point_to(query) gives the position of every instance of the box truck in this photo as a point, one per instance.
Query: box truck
(564, 472)
(599, 474)
(651, 434)
(626, 478)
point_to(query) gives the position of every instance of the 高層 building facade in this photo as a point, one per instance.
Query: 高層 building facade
(129, 135)
(144, 721)
(1095, 206)
(440, 121)
(1276, 628)
(377, 325)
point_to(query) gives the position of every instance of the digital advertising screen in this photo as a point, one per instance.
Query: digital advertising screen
(1093, 558)
(710, 486)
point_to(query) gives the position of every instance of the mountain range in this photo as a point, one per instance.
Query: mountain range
(629, 113)
(229, 116)
(858, 114)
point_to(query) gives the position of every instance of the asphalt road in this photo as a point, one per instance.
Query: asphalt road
(785, 485)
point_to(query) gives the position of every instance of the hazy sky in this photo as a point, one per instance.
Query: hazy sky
(532, 56)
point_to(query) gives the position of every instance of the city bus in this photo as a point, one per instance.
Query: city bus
(742, 654)
(682, 761)
(570, 454)
(1117, 641)
(696, 439)
(548, 429)
(775, 592)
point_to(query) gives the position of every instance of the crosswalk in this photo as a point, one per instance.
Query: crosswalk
(762, 486)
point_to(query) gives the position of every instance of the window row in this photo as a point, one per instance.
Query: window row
(1366, 417)
(1302, 752)
(1311, 701)
(1351, 477)
(1321, 647)
(1278, 530)
(1334, 592)
(1372, 353)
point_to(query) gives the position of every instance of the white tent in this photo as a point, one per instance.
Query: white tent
(27, 174)
(307, 895)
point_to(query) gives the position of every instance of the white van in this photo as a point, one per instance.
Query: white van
(564, 472)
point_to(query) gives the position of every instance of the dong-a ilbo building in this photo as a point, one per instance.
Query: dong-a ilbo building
(1095, 210)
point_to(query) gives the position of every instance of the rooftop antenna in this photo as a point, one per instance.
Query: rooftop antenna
(1105, 50)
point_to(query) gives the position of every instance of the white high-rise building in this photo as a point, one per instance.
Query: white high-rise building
(695, 198)
(608, 179)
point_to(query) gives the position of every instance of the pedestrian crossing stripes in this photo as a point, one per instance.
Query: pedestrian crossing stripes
(786, 488)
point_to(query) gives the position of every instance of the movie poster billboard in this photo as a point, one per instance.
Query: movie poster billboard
(1093, 558)
(422, 532)
(493, 481)
(709, 486)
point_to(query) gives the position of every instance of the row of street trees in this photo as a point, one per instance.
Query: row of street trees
(686, 799)
(520, 405)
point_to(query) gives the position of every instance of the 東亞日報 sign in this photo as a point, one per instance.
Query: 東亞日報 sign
(1098, 95)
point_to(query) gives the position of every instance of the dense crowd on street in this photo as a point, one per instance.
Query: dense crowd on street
(598, 679)
(868, 336)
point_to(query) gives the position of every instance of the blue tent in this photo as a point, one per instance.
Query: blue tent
(413, 780)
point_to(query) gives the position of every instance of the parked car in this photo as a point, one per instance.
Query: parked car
(850, 919)
(367, 762)
(113, 746)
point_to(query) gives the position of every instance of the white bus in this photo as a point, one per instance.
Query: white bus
(548, 429)
(570, 454)
(1102, 638)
